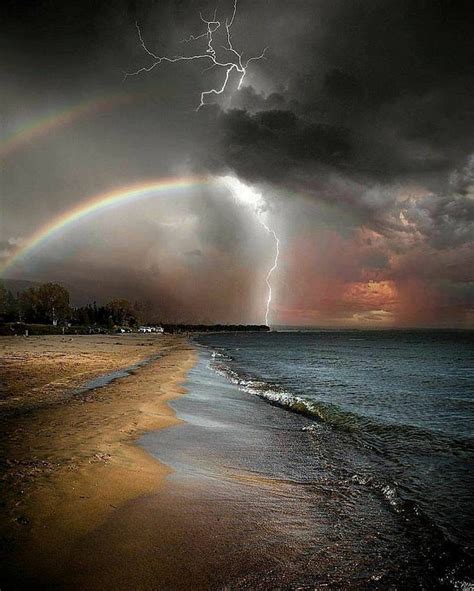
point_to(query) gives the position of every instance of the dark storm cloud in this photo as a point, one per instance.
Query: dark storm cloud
(372, 96)
(365, 105)
(447, 219)
(273, 145)
(378, 92)
(394, 77)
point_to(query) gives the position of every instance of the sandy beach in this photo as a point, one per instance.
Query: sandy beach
(69, 458)
(89, 504)
(114, 480)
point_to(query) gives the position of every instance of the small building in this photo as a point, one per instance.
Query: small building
(151, 329)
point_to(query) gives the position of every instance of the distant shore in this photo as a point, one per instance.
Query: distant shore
(68, 454)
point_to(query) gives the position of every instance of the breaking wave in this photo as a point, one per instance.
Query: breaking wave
(447, 552)
(343, 420)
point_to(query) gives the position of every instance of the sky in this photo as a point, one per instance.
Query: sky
(356, 128)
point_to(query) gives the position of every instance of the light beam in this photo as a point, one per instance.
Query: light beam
(256, 202)
(234, 62)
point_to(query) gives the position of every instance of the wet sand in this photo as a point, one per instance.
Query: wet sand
(245, 505)
(69, 459)
(98, 495)
(236, 494)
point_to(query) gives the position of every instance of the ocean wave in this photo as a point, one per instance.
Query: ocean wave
(381, 436)
(447, 553)
(449, 560)
(448, 557)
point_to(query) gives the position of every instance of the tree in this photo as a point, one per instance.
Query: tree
(28, 305)
(12, 307)
(47, 303)
(53, 302)
(3, 302)
(81, 316)
(121, 312)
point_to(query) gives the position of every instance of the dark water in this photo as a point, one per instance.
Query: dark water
(105, 379)
(389, 421)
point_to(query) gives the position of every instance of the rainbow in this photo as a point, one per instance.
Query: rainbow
(42, 126)
(96, 204)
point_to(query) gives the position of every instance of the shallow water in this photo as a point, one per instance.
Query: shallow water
(316, 504)
(108, 378)
(406, 399)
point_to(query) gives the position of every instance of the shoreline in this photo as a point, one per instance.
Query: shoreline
(71, 462)
(238, 495)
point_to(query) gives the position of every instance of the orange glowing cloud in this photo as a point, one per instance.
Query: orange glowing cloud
(334, 280)
(364, 280)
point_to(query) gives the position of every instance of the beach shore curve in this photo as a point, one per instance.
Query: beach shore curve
(69, 452)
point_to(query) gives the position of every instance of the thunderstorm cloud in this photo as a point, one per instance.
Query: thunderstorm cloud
(357, 127)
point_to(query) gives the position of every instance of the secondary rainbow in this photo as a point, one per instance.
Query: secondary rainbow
(99, 202)
(44, 125)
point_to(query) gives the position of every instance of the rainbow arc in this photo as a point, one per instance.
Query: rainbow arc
(98, 203)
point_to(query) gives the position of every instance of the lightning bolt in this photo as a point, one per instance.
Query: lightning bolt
(272, 268)
(234, 62)
(255, 201)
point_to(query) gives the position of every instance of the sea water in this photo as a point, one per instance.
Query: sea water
(389, 416)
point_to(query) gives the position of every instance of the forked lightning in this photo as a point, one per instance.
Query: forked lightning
(242, 192)
(234, 62)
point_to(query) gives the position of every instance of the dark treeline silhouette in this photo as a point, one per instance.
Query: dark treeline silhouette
(118, 312)
(49, 304)
(45, 304)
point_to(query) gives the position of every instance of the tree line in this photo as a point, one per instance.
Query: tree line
(49, 303)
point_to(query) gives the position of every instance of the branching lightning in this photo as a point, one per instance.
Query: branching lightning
(236, 63)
